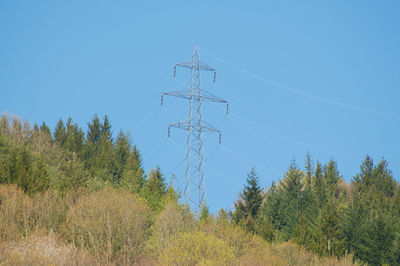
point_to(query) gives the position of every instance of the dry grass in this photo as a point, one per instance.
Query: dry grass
(42, 250)
(288, 254)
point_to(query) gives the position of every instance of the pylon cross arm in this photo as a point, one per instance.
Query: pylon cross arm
(200, 66)
(187, 94)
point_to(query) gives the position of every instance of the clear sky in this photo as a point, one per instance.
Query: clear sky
(317, 76)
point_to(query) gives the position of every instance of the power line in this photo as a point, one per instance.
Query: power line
(224, 176)
(146, 123)
(269, 131)
(152, 100)
(276, 84)
(154, 143)
(157, 151)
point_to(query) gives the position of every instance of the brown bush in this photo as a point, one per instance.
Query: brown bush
(110, 224)
(50, 210)
(42, 250)
(15, 213)
(287, 254)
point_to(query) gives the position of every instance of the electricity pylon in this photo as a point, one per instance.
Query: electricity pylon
(195, 126)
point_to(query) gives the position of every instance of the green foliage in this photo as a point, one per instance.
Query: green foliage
(155, 190)
(204, 213)
(249, 203)
(196, 248)
(24, 169)
(84, 187)
(172, 220)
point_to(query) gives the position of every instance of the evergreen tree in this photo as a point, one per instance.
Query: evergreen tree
(121, 155)
(59, 133)
(319, 187)
(94, 130)
(155, 189)
(353, 221)
(292, 194)
(309, 166)
(332, 178)
(303, 234)
(331, 239)
(395, 251)
(74, 137)
(249, 203)
(381, 233)
(44, 129)
(156, 182)
(133, 177)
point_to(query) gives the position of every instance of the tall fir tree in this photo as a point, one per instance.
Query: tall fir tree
(332, 178)
(60, 133)
(249, 203)
(309, 166)
(320, 187)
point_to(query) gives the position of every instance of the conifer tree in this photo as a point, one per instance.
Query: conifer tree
(155, 189)
(156, 182)
(319, 187)
(332, 178)
(249, 203)
(44, 129)
(74, 137)
(59, 133)
(331, 239)
(94, 130)
(309, 169)
(292, 187)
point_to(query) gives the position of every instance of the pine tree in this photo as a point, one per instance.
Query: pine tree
(303, 234)
(292, 194)
(156, 182)
(94, 130)
(319, 186)
(309, 165)
(155, 189)
(332, 241)
(249, 203)
(332, 178)
(45, 131)
(59, 133)
(132, 177)
(74, 137)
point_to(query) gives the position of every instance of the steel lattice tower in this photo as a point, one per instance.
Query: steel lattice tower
(195, 126)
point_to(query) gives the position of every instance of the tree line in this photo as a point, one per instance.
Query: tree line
(319, 211)
(86, 194)
(69, 159)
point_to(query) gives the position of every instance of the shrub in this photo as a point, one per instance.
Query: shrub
(110, 224)
(42, 250)
(50, 210)
(196, 248)
(171, 221)
(15, 213)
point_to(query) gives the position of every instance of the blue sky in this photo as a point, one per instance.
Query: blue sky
(61, 59)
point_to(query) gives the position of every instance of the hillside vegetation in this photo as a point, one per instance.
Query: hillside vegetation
(71, 197)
